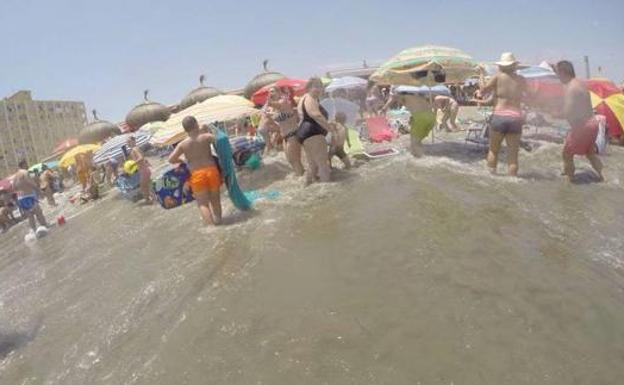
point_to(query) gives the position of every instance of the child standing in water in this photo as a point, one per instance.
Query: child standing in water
(338, 138)
(205, 178)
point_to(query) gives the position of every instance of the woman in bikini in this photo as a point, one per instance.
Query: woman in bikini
(285, 115)
(144, 170)
(508, 89)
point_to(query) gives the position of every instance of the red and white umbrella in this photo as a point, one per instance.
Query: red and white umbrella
(297, 87)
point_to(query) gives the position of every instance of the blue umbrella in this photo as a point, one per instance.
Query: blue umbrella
(113, 149)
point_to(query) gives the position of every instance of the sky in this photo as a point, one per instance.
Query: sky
(107, 52)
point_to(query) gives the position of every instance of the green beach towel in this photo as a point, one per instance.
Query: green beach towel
(353, 144)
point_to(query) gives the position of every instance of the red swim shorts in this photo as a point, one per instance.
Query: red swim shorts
(582, 138)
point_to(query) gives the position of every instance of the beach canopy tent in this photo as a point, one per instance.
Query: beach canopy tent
(350, 109)
(297, 87)
(97, 131)
(221, 108)
(346, 83)
(65, 146)
(608, 100)
(428, 65)
(146, 112)
(439, 89)
(113, 148)
(37, 167)
(70, 156)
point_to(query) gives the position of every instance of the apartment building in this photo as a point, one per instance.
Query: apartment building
(30, 129)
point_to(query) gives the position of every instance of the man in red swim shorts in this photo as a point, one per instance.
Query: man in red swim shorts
(577, 110)
(205, 180)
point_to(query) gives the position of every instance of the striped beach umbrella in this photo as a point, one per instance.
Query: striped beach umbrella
(113, 148)
(426, 65)
(608, 100)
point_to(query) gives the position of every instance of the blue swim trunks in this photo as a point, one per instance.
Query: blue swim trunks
(27, 202)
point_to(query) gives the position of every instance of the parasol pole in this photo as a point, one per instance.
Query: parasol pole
(436, 116)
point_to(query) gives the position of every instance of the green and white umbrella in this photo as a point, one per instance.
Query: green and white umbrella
(428, 65)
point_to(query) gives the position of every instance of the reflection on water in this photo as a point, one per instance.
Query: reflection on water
(407, 271)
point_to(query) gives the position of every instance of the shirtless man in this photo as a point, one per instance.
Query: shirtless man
(508, 89)
(27, 192)
(47, 178)
(205, 180)
(577, 110)
(422, 120)
(449, 108)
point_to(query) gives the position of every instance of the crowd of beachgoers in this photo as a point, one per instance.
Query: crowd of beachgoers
(310, 139)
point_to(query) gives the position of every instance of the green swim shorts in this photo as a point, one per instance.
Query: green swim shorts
(422, 123)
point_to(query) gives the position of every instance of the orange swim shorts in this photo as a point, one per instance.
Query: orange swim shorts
(205, 179)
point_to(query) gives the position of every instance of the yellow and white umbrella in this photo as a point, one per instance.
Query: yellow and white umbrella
(425, 66)
(221, 108)
(70, 156)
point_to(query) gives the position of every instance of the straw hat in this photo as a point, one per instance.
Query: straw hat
(507, 59)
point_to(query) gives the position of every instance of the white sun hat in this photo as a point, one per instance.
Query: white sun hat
(507, 59)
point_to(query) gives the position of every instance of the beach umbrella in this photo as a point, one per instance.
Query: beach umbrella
(608, 100)
(538, 72)
(65, 145)
(199, 94)
(147, 112)
(70, 156)
(113, 148)
(347, 107)
(296, 85)
(262, 79)
(346, 83)
(97, 131)
(426, 65)
(424, 90)
(221, 108)
(151, 128)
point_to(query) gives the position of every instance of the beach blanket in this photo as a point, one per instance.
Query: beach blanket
(128, 184)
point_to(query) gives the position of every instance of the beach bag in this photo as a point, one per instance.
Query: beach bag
(601, 138)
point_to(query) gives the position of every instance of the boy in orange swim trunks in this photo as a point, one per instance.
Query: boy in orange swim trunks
(205, 180)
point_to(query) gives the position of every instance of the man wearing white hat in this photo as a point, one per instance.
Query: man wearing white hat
(507, 88)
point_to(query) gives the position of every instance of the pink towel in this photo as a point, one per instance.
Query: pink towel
(379, 130)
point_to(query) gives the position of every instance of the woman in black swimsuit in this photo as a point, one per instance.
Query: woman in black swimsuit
(312, 130)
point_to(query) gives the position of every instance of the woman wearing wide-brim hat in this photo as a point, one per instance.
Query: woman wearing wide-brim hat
(508, 89)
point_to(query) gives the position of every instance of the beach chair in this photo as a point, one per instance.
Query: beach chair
(479, 135)
(379, 130)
